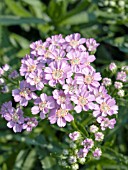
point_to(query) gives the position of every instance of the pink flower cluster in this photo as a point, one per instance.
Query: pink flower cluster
(64, 66)
(15, 118)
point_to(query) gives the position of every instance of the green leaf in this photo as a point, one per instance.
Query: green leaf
(31, 158)
(48, 162)
(13, 20)
(83, 17)
(23, 42)
(23, 52)
(17, 8)
(20, 159)
(80, 7)
(5, 98)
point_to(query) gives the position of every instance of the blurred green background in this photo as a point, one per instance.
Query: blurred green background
(25, 21)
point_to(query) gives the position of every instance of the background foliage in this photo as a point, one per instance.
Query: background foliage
(25, 21)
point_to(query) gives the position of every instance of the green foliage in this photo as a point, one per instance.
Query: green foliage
(24, 21)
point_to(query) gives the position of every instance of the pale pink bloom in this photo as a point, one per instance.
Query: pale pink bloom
(112, 66)
(91, 44)
(74, 136)
(88, 77)
(60, 116)
(88, 143)
(70, 87)
(121, 76)
(36, 79)
(118, 85)
(99, 136)
(42, 105)
(62, 99)
(74, 41)
(107, 81)
(121, 93)
(82, 153)
(93, 129)
(57, 72)
(83, 100)
(97, 153)
(106, 107)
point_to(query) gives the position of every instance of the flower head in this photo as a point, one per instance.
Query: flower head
(43, 104)
(24, 94)
(60, 116)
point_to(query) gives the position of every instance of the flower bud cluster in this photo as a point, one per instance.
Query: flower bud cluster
(83, 147)
(121, 76)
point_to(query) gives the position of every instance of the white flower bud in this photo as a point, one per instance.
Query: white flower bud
(65, 152)
(75, 166)
(121, 3)
(112, 3)
(82, 160)
(73, 145)
(72, 159)
(120, 93)
(93, 129)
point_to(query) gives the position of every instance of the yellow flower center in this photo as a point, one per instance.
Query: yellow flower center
(104, 107)
(36, 80)
(71, 88)
(62, 112)
(74, 43)
(57, 74)
(39, 47)
(24, 92)
(15, 117)
(75, 61)
(42, 105)
(31, 68)
(62, 99)
(88, 79)
(87, 63)
(46, 55)
(83, 101)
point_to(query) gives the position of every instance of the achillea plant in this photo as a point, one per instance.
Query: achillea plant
(57, 78)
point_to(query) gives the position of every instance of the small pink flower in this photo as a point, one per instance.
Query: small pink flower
(112, 66)
(57, 72)
(97, 153)
(106, 107)
(88, 77)
(121, 76)
(82, 153)
(91, 44)
(83, 100)
(76, 59)
(62, 99)
(74, 136)
(70, 87)
(43, 104)
(74, 41)
(99, 136)
(60, 116)
(88, 143)
(118, 85)
(30, 123)
(36, 79)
